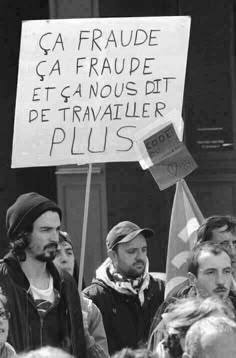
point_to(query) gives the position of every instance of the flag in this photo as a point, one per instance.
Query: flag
(185, 220)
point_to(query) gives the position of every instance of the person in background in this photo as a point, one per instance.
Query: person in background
(46, 352)
(210, 274)
(6, 350)
(95, 335)
(133, 353)
(44, 304)
(124, 291)
(210, 271)
(222, 230)
(168, 339)
(211, 337)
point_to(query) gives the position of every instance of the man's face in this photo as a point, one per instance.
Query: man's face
(214, 274)
(226, 239)
(65, 259)
(131, 257)
(44, 237)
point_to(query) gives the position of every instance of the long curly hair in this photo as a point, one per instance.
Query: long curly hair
(20, 242)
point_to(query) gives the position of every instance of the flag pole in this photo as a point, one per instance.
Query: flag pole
(85, 224)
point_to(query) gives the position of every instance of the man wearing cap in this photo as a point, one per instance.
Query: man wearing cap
(126, 294)
(44, 304)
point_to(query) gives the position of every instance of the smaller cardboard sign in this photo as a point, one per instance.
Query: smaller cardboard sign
(161, 150)
(175, 167)
(143, 136)
(163, 144)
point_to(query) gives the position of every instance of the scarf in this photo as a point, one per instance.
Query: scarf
(128, 286)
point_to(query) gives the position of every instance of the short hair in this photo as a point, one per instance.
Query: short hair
(207, 325)
(208, 246)
(181, 314)
(204, 232)
(46, 352)
(185, 311)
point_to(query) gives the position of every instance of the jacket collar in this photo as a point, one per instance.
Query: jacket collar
(107, 273)
(20, 278)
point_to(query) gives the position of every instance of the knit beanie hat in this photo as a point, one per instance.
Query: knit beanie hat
(27, 208)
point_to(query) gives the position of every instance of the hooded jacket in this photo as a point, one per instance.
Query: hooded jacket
(61, 326)
(126, 320)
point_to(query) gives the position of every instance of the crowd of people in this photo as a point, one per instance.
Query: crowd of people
(122, 313)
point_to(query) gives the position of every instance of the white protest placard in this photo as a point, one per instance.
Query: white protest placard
(85, 86)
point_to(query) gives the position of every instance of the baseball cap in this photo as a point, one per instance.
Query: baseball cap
(125, 231)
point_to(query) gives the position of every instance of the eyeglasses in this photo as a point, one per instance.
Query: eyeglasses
(5, 315)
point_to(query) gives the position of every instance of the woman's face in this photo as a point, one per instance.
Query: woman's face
(3, 325)
(65, 259)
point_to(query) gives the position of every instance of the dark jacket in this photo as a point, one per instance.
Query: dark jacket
(61, 326)
(126, 322)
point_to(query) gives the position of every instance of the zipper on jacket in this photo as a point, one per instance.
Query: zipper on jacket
(41, 319)
(41, 331)
(72, 331)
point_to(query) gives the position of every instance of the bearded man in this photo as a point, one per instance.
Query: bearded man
(44, 304)
(124, 291)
